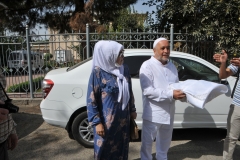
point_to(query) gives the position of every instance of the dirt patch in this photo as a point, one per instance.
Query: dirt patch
(30, 109)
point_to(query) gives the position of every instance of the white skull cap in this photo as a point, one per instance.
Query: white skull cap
(158, 40)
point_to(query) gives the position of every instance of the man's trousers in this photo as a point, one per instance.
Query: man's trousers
(163, 135)
(233, 132)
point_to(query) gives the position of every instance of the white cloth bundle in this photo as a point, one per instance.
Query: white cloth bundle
(199, 92)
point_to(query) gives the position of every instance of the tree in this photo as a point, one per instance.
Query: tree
(129, 19)
(216, 19)
(58, 14)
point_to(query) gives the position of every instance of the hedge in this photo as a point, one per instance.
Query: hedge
(24, 87)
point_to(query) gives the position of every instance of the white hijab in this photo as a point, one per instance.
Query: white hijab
(105, 55)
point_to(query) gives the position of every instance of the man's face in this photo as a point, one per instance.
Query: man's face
(162, 51)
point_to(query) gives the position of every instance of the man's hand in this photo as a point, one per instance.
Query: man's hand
(100, 130)
(235, 62)
(134, 115)
(12, 141)
(220, 57)
(3, 114)
(178, 94)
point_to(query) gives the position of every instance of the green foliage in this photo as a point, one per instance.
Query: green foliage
(80, 51)
(24, 87)
(49, 64)
(219, 20)
(48, 56)
(129, 19)
(57, 14)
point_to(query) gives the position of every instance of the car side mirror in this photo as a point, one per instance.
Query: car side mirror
(224, 81)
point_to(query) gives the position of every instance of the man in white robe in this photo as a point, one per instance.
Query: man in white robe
(156, 74)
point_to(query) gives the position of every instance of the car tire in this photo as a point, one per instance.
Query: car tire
(82, 132)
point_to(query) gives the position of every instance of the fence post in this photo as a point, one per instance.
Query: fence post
(171, 37)
(88, 40)
(29, 62)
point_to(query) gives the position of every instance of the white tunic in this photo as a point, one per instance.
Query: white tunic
(158, 102)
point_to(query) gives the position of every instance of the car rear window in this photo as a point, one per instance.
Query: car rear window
(79, 64)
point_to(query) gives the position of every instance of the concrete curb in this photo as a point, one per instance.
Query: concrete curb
(27, 102)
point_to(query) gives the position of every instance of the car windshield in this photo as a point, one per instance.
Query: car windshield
(18, 56)
(79, 64)
(15, 56)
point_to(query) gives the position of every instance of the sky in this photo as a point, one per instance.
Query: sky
(143, 8)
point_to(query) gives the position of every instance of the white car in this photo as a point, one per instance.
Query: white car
(18, 59)
(65, 90)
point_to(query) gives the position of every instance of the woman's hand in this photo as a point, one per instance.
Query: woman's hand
(133, 115)
(100, 130)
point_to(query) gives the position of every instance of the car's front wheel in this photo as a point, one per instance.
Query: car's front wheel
(81, 130)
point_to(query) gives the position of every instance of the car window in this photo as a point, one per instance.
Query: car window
(134, 63)
(33, 56)
(190, 69)
(25, 56)
(15, 56)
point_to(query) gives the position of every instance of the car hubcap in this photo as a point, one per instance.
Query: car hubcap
(86, 131)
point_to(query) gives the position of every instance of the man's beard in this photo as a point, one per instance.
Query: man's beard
(161, 59)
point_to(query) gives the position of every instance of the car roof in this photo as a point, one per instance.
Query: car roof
(134, 52)
(24, 52)
(149, 52)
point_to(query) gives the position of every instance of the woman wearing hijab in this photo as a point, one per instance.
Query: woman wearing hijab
(110, 102)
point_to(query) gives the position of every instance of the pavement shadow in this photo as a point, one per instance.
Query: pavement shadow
(40, 141)
(199, 142)
(27, 123)
(49, 143)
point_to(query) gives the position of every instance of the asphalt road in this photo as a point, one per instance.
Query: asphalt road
(40, 141)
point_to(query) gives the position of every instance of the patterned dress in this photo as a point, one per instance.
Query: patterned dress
(103, 107)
